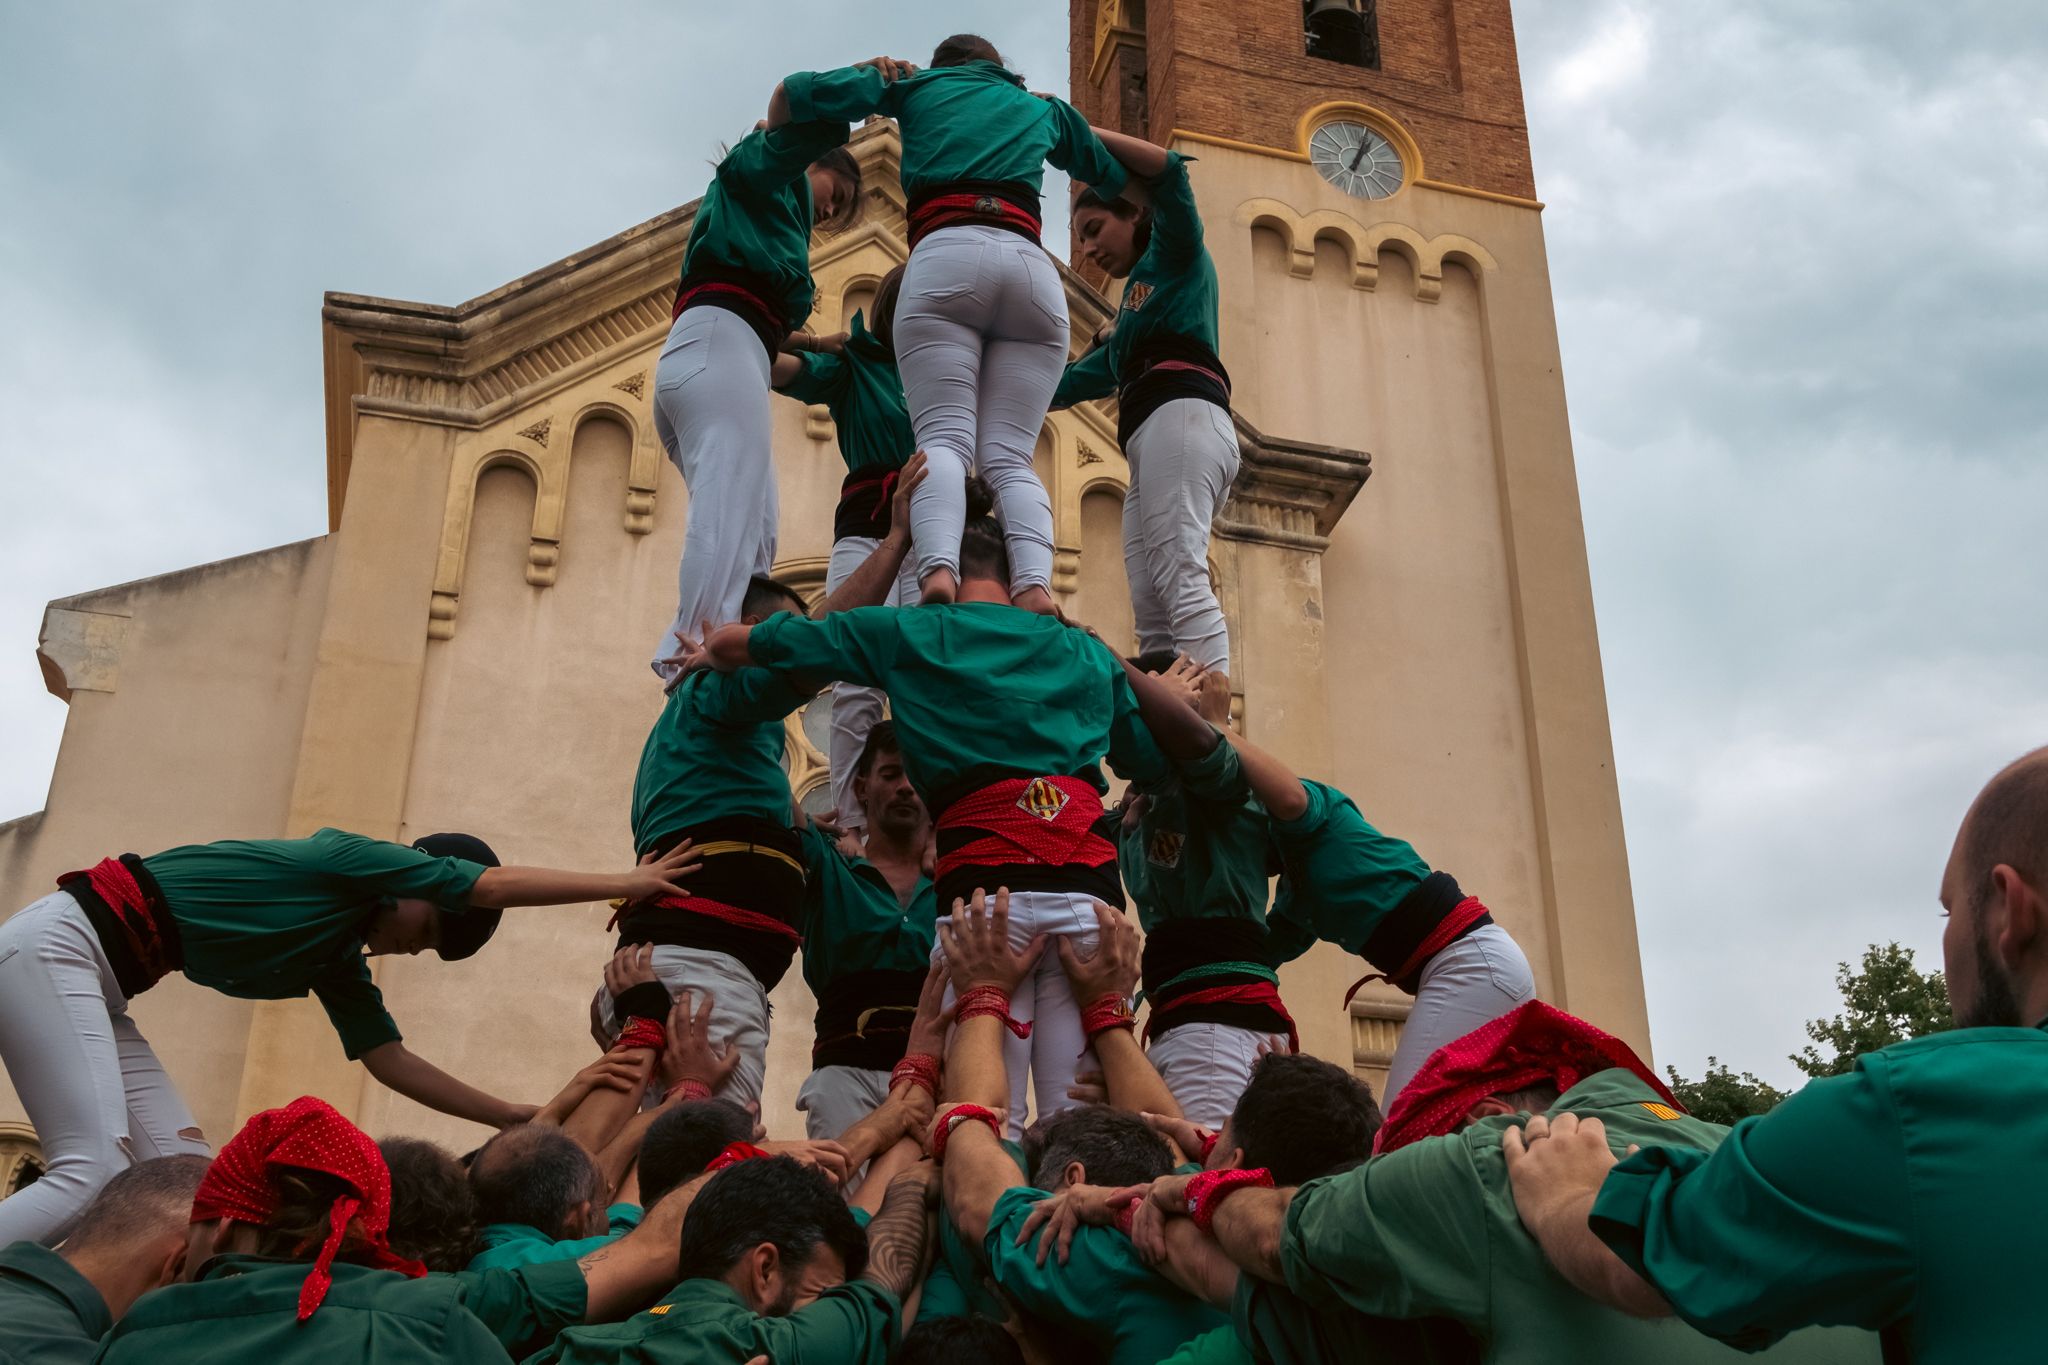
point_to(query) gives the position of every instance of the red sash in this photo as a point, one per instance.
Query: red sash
(1243, 993)
(719, 288)
(150, 939)
(1448, 930)
(954, 210)
(731, 914)
(1048, 821)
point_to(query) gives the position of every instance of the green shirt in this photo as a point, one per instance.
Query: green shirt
(715, 750)
(755, 217)
(852, 921)
(705, 1322)
(245, 1308)
(971, 122)
(271, 919)
(49, 1313)
(506, 1246)
(1104, 1291)
(1199, 849)
(961, 681)
(862, 390)
(1171, 290)
(1340, 877)
(1908, 1195)
(1430, 1231)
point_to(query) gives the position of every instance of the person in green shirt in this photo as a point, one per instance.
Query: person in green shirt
(981, 330)
(773, 1264)
(56, 1305)
(540, 1197)
(1004, 717)
(746, 285)
(1173, 396)
(1906, 1196)
(853, 374)
(258, 919)
(1427, 1229)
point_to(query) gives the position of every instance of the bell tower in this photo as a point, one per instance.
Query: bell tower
(1364, 176)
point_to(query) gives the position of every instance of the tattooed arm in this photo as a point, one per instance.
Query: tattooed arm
(896, 1235)
(625, 1276)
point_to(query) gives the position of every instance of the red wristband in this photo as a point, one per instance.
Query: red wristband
(733, 1155)
(1105, 1013)
(952, 1119)
(688, 1090)
(920, 1069)
(1209, 1141)
(1128, 1215)
(1207, 1191)
(640, 1031)
(980, 1000)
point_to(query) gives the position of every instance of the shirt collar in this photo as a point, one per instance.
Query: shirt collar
(41, 1266)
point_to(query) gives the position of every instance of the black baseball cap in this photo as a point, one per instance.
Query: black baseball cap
(466, 930)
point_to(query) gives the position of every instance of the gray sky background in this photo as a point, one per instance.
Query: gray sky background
(1800, 250)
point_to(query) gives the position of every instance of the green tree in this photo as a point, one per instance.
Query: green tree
(1888, 1001)
(1721, 1096)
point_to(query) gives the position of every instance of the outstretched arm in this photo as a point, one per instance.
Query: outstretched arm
(1143, 159)
(504, 887)
(416, 1078)
(869, 583)
(1128, 1074)
(1166, 703)
(622, 1276)
(1272, 781)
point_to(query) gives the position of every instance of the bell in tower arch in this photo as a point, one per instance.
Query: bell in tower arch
(1343, 31)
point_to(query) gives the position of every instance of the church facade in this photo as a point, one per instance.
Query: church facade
(1402, 562)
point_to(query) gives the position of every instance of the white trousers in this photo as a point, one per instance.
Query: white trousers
(739, 1010)
(981, 340)
(1183, 460)
(1474, 981)
(94, 1090)
(834, 1098)
(711, 412)
(1208, 1065)
(856, 709)
(1044, 1065)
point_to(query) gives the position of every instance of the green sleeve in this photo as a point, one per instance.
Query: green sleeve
(855, 1323)
(1781, 1226)
(1132, 750)
(369, 868)
(1092, 376)
(355, 1007)
(1403, 1236)
(848, 646)
(1321, 801)
(1176, 222)
(849, 93)
(1218, 1347)
(767, 159)
(748, 697)
(534, 1301)
(1217, 776)
(820, 378)
(1100, 1268)
(1077, 151)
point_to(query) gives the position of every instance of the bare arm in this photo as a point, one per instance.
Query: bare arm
(1143, 159)
(1128, 1074)
(622, 1276)
(896, 1235)
(1177, 727)
(416, 1078)
(883, 1169)
(1272, 781)
(504, 887)
(1197, 1266)
(785, 368)
(598, 1122)
(1555, 1182)
(869, 583)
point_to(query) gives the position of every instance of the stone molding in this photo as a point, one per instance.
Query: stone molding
(1363, 244)
(1289, 494)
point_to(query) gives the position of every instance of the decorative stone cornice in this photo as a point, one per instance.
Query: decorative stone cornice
(1289, 493)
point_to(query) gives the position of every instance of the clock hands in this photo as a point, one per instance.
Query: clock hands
(1357, 156)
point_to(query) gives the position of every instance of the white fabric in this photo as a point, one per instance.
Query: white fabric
(1208, 1065)
(856, 709)
(1183, 459)
(711, 413)
(739, 1010)
(95, 1092)
(834, 1098)
(981, 341)
(1044, 1065)
(1474, 981)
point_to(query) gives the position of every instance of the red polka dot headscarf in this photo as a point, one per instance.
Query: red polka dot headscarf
(306, 1135)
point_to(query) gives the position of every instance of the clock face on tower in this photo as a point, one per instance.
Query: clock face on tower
(1356, 159)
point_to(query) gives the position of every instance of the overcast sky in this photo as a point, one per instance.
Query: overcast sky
(1800, 251)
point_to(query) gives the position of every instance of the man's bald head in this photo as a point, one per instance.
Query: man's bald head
(536, 1176)
(149, 1200)
(1996, 945)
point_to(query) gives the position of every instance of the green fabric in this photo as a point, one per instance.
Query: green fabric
(1104, 1292)
(864, 394)
(756, 214)
(245, 1309)
(1199, 849)
(505, 1246)
(1430, 1231)
(944, 666)
(953, 1287)
(1340, 876)
(715, 750)
(49, 1313)
(1272, 1324)
(852, 921)
(1219, 1346)
(1908, 1195)
(705, 1322)
(271, 919)
(1171, 291)
(972, 122)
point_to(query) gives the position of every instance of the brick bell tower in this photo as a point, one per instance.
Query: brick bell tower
(1364, 177)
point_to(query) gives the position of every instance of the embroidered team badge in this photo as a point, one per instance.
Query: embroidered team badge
(1135, 296)
(1165, 848)
(987, 204)
(1042, 800)
(1662, 1111)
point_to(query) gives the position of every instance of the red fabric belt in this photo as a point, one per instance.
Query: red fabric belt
(1187, 367)
(883, 481)
(731, 914)
(720, 289)
(1048, 821)
(1462, 917)
(954, 210)
(115, 885)
(1245, 993)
